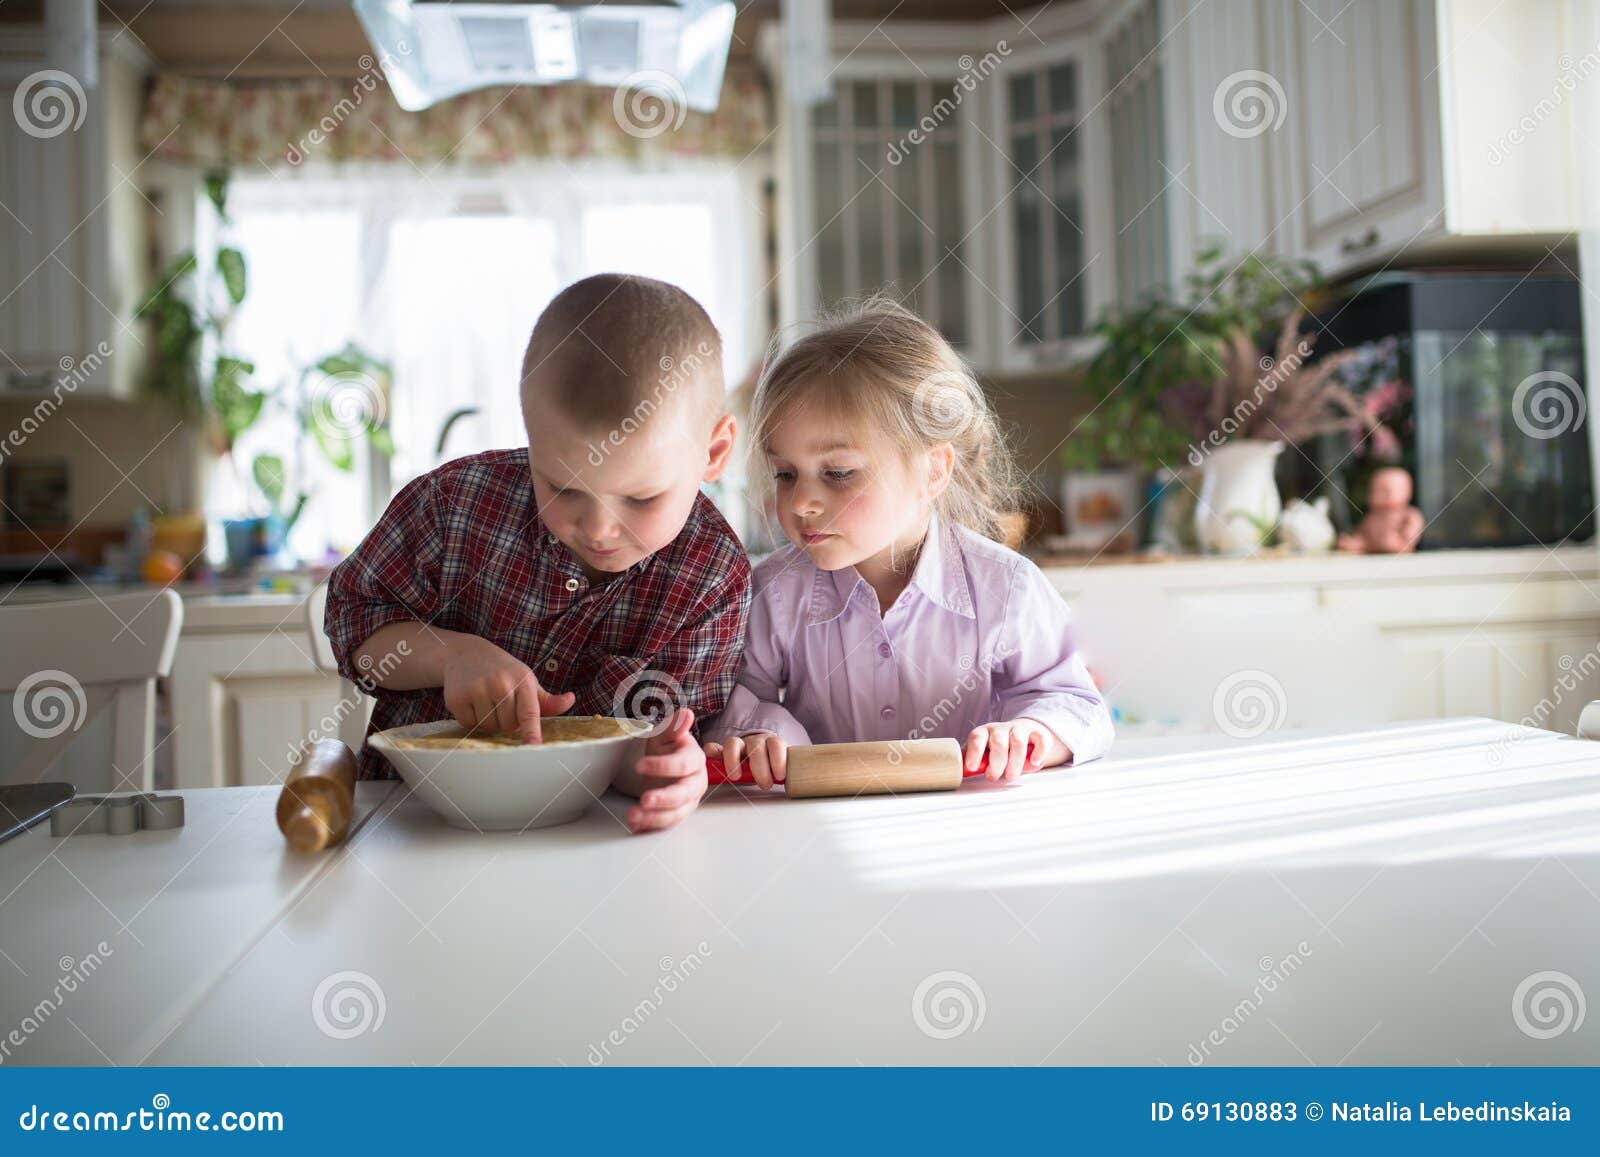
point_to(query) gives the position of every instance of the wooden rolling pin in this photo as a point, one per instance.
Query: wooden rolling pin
(896, 766)
(318, 796)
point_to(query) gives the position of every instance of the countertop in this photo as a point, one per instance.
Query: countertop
(1412, 894)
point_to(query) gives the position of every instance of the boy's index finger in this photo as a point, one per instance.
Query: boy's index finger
(528, 710)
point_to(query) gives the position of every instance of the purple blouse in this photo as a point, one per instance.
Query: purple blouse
(978, 636)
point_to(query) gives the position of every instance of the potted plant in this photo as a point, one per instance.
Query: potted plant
(1161, 356)
(195, 374)
(1256, 406)
(1109, 454)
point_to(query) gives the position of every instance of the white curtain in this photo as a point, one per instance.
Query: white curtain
(443, 274)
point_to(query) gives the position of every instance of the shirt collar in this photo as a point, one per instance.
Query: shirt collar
(940, 576)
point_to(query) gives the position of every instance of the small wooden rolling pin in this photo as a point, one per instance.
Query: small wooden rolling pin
(318, 796)
(882, 768)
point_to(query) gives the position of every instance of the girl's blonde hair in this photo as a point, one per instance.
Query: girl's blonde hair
(877, 366)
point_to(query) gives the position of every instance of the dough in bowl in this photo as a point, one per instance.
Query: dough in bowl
(554, 729)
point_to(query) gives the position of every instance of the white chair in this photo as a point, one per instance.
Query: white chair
(321, 646)
(69, 664)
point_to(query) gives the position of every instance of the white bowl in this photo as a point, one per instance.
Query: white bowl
(510, 788)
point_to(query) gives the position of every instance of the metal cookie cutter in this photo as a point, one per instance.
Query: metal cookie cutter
(117, 815)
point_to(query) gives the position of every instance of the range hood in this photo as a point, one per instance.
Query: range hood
(431, 51)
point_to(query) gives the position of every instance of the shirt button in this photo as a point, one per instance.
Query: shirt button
(572, 584)
(549, 664)
(885, 650)
(887, 713)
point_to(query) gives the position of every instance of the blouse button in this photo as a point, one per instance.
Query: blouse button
(549, 664)
(572, 584)
(887, 713)
(885, 650)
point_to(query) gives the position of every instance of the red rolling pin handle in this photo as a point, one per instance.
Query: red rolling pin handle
(717, 771)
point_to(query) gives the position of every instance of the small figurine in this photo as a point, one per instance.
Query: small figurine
(1392, 524)
(1306, 526)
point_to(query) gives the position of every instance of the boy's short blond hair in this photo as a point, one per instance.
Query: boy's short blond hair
(617, 348)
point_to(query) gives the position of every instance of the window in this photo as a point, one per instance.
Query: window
(443, 278)
(1139, 201)
(1043, 107)
(888, 211)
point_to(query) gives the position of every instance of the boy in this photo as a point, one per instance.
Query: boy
(586, 573)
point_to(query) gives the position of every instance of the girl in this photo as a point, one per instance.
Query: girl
(894, 614)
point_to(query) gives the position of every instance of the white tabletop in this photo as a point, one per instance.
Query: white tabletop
(1423, 893)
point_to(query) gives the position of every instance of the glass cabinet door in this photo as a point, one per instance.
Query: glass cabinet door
(1043, 107)
(889, 210)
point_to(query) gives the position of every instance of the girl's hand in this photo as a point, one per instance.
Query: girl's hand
(673, 771)
(1013, 748)
(768, 756)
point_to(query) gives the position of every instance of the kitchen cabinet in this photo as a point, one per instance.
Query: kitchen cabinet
(1361, 156)
(1221, 190)
(1101, 148)
(878, 184)
(73, 234)
(1506, 634)
(1050, 204)
(1360, 133)
(1141, 184)
(246, 692)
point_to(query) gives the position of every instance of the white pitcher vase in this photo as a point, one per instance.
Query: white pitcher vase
(1239, 503)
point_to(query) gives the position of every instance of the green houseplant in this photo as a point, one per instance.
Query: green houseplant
(1155, 372)
(195, 374)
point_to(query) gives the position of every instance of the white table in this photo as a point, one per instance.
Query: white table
(1396, 887)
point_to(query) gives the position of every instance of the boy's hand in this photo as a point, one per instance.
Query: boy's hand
(767, 754)
(487, 688)
(674, 770)
(1013, 748)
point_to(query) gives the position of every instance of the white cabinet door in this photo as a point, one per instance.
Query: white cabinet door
(1055, 265)
(243, 704)
(888, 201)
(1362, 171)
(1228, 115)
(45, 235)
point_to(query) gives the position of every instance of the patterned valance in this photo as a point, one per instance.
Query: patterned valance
(290, 123)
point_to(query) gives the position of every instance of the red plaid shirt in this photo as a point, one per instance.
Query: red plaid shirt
(463, 548)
